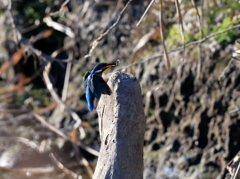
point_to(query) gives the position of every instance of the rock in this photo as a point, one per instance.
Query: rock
(122, 126)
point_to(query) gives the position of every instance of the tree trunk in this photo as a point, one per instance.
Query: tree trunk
(122, 126)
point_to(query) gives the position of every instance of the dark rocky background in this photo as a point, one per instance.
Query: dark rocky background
(192, 118)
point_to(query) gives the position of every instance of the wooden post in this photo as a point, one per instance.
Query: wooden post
(122, 126)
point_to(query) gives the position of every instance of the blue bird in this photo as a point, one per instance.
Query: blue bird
(94, 84)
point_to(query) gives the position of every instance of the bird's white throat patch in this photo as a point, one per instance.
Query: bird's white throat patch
(98, 71)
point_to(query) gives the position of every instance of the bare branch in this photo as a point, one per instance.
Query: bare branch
(29, 143)
(96, 41)
(48, 20)
(223, 73)
(168, 65)
(82, 160)
(144, 14)
(201, 36)
(43, 56)
(42, 146)
(61, 9)
(86, 164)
(49, 126)
(61, 134)
(142, 43)
(33, 170)
(180, 48)
(233, 167)
(67, 76)
(16, 34)
(25, 141)
(146, 60)
(59, 101)
(64, 169)
(234, 110)
(181, 27)
(12, 111)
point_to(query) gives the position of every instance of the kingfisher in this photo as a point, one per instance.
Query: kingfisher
(94, 84)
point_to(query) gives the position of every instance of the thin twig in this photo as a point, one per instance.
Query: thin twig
(48, 108)
(27, 44)
(12, 111)
(67, 76)
(25, 141)
(168, 65)
(36, 24)
(146, 60)
(234, 110)
(86, 164)
(61, 134)
(49, 22)
(42, 146)
(60, 103)
(29, 143)
(119, 4)
(43, 56)
(82, 160)
(96, 41)
(200, 58)
(16, 33)
(88, 149)
(236, 172)
(64, 169)
(233, 167)
(144, 14)
(49, 126)
(199, 18)
(225, 69)
(61, 9)
(181, 27)
(180, 48)
(32, 170)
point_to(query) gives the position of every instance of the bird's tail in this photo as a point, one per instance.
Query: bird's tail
(90, 99)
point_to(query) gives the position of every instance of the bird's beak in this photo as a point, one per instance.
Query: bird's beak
(112, 64)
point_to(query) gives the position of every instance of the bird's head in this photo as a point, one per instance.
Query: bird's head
(101, 67)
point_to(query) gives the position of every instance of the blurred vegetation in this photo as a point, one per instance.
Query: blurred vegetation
(37, 96)
(218, 15)
(122, 42)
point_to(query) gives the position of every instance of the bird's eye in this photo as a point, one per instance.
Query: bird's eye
(98, 71)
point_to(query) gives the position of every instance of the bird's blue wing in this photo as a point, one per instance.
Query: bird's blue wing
(98, 86)
(90, 99)
(85, 77)
(89, 95)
